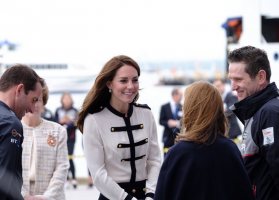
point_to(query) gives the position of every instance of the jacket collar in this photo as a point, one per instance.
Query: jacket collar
(4, 105)
(7, 107)
(114, 111)
(246, 108)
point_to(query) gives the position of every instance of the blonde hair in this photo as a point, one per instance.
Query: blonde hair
(203, 114)
(45, 94)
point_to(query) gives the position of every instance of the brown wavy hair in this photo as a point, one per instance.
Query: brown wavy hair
(99, 93)
(203, 114)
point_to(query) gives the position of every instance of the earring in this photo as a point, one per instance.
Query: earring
(109, 90)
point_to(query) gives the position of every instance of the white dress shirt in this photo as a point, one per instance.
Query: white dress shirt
(173, 106)
(32, 172)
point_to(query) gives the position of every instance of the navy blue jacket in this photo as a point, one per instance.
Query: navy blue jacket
(260, 140)
(213, 172)
(48, 115)
(169, 133)
(71, 128)
(11, 138)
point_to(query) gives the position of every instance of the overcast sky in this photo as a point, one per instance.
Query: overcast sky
(95, 31)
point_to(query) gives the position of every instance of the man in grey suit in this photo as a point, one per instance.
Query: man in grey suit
(228, 99)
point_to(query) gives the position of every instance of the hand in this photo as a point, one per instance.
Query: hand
(29, 197)
(173, 123)
(62, 121)
(65, 120)
(40, 197)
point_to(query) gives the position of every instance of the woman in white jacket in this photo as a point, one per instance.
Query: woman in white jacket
(45, 156)
(119, 135)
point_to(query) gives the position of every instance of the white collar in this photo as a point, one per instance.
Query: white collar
(173, 105)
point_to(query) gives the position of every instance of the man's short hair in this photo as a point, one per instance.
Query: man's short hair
(255, 60)
(20, 74)
(175, 91)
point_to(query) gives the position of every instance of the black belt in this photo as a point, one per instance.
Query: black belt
(135, 189)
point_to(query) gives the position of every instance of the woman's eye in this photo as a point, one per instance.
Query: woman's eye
(136, 80)
(123, 81)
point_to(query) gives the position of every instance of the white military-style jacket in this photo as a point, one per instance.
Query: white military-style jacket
(51, 162)
(121, 149)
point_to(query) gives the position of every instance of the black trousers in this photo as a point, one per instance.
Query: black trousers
(136, 189)
(71, 145)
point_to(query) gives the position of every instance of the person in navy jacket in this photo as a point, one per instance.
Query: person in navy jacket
(258, 110)
(66, 116)
(203, 164)
(20, 89)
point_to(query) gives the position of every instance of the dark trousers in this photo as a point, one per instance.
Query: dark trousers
(71, 145)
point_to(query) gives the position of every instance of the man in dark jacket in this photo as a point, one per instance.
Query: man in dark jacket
(228, 99)
(20, 89)
(258, 110)
(170, 115)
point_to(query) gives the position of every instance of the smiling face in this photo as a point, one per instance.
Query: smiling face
(39, 108)
(241, 81)
(124, 85)
(26, 103)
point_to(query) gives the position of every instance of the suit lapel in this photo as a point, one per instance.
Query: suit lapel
(169, 111)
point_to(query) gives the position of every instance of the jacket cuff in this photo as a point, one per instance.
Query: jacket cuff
(150, 194)
(128, 197)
